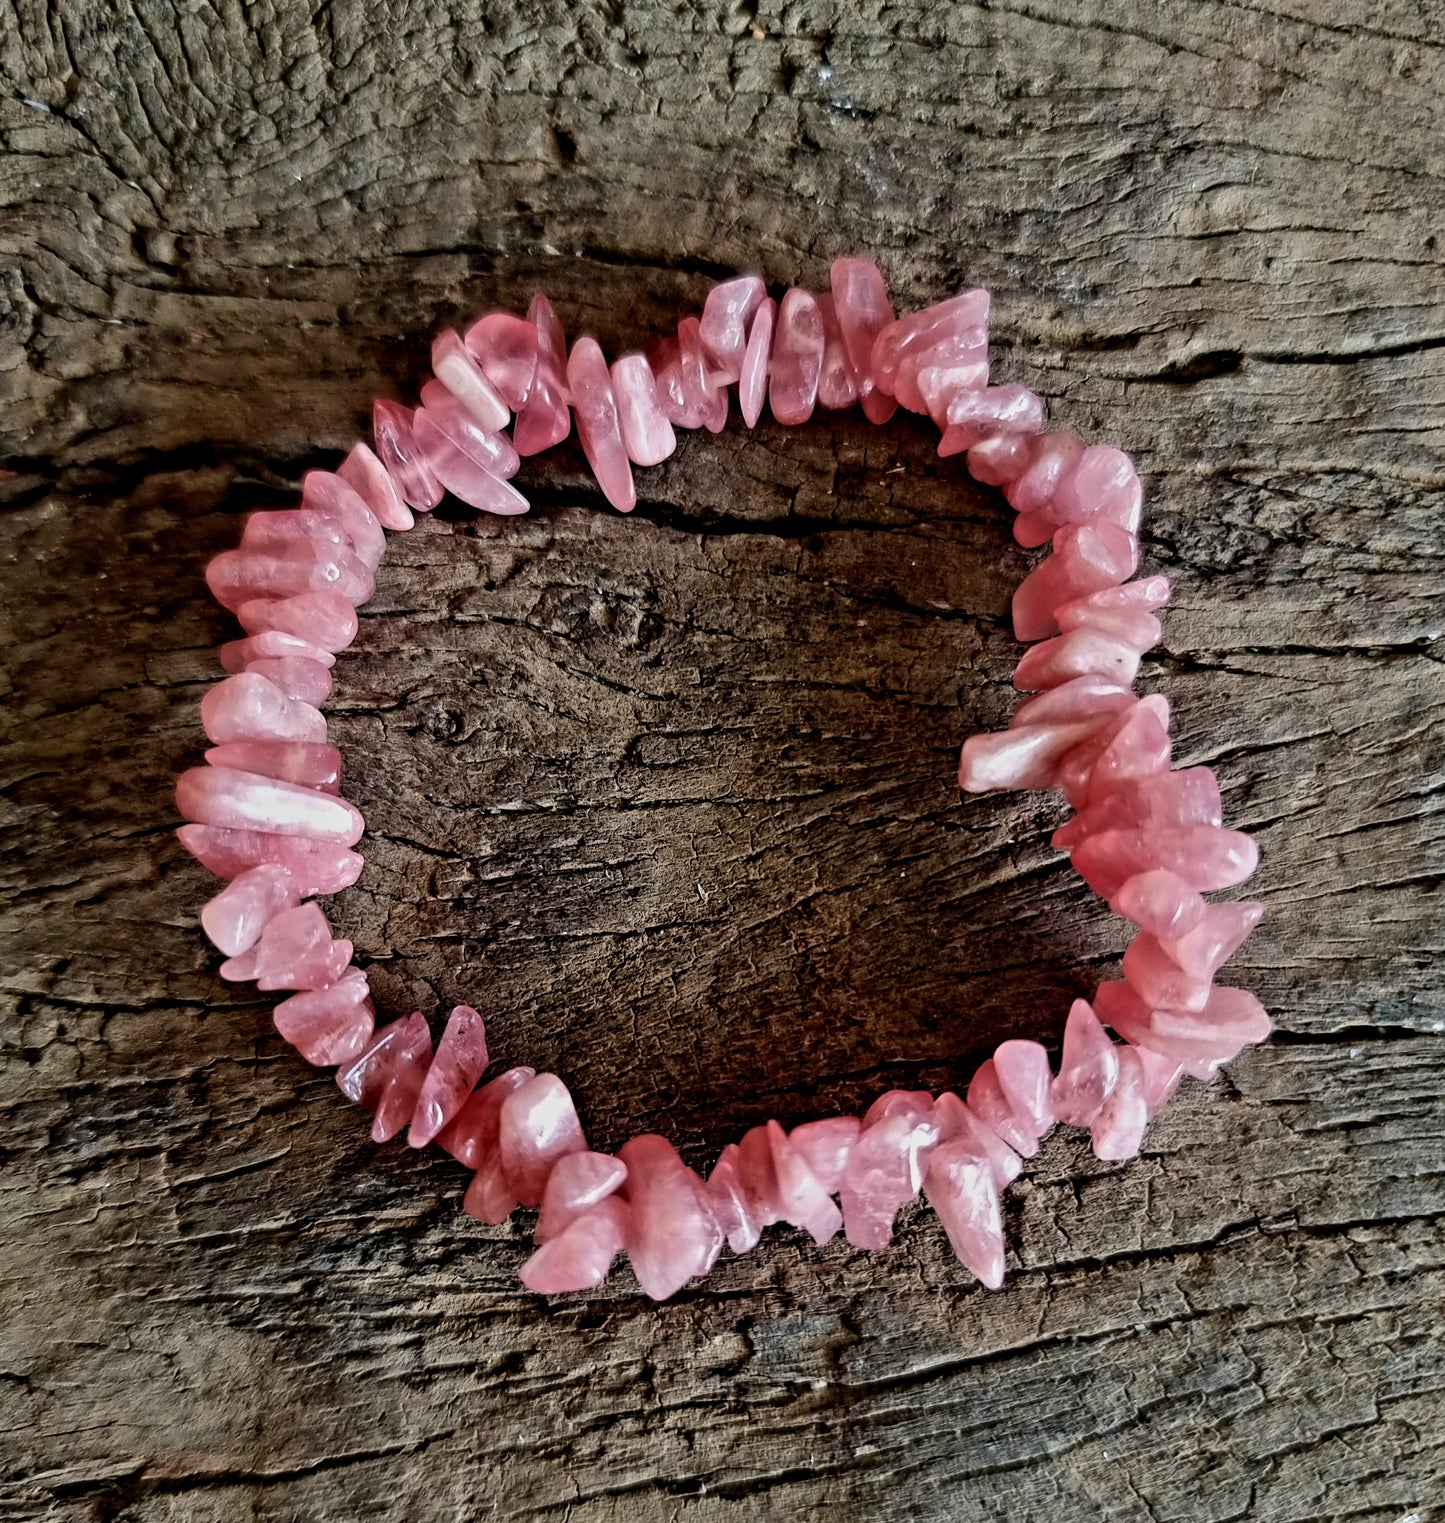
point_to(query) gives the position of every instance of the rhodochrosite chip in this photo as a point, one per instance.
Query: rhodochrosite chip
(265, 812)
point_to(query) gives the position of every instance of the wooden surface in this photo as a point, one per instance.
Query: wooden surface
(670, 797)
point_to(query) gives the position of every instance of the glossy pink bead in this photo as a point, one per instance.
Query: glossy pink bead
(495, 453)
(318, 867)
(825, 1146)
(1023, 757)
(1086, 558)
(236, 655)
(298, 677)
(1103, 484)
(461, 1057)
(243, 801)
(471, 1137)
(538, 1126)
(675, 1236)
(1079, 653)
(1201, 949)
(387, 1077)
(1118, 1129)
(1088, 1068)
(1231, 1020)
(308, 764)
(960, 1125)
(860, 299)
(373, 481)
(903, 341)
(330, 492)
(324, 620)
(1190, 797)
(462, 473)
(577, 1182)
(545, 419)
(236, 577)
(753, 383)
(236, 917)
(1022, 1071)
(988, 1102)
(506, 349)
(647, 435)
(403, 457)
(1205, 857)
(961, 1189)
(731, 1205)
(727, 316)
(580, 1256)
(837, 386)
(454, 367)
(329, 1026)
(797, 358)
(802, 1198)
(885, 1169)
(296, 951)
(1160, 902)
(598, 425)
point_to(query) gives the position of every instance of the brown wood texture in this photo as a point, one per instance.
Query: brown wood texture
(670, 797)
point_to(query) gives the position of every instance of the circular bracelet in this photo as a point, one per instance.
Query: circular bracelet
(266, 813)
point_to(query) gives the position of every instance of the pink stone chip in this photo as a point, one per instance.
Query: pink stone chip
(1202, 949)
(244, 801)
(1023, 757)
(236, 655)
(961, 1189)
(1053, 456)
(1088, 1068)
(296, 951)
(317, 867)
(837, 385)
(581, 1255)
(471, 1137)
(402, 456)
(797, 358)
(306, 681)
(736, 1215)
(647, 434)
(1022, 1071)
(1160, 902)
(988, 1102)
(1158, 980)
(235, 918)
(322, 619)
(1205, 857)
(1126, 751)
(576, 1184)
(825, 1146)
(489, 1197)
(307, 531)
(308, 764)
(461, 1057)
(753, 383)
(1190, 797)
(372, 480)
(902, 344)
(1086, 558)
(387, 1077)
(545, 419)
(538, 1126)
(506, 349)
(986, 412)
(1119, 1127)
(759, 1176)
(1000, 460)
(960, 1125)
(1084, 698)
(885, 1170)
(727, 315)
(1080, 652)
(329, 492)
(598, 424)
(332, 1025)
(802, 1198)
(1161, 1077)
(495, 453)
(464, 378)
(461, 470)
(1231, 1020)
(707, 400)
(860, 299)
(675, 1235)
(1102, 484)
(236, 577)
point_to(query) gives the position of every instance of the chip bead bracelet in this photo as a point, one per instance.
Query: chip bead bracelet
(266, 811)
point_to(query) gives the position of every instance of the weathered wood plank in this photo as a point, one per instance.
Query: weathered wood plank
(670, 797)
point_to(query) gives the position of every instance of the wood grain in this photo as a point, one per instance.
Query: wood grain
(670, 797)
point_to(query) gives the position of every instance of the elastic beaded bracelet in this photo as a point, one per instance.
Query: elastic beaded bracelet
(266, 811)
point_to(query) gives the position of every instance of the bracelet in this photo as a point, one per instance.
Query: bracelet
(266, 811)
